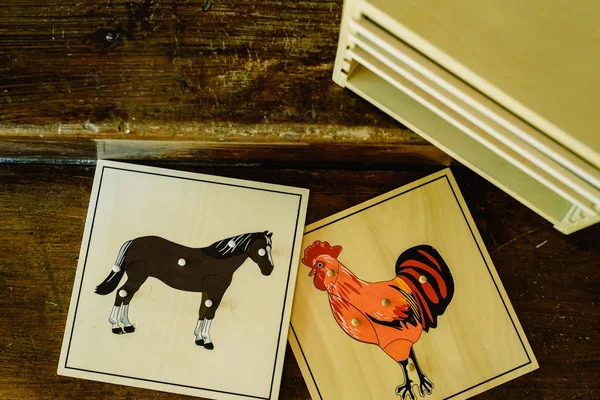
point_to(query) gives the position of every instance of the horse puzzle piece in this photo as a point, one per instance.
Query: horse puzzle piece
(208, 270)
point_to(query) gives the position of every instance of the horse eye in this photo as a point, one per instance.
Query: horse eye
(320, 265)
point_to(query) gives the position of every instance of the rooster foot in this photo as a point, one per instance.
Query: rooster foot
(425, 386)
(405, 392)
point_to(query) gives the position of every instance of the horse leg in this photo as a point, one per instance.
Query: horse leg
(127, 327)
(206, 335)
(114, 314)
(198, 332)
(214, 288)
(126, 293)
(206, 315)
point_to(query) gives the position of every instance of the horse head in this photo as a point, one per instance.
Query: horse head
(260, 252)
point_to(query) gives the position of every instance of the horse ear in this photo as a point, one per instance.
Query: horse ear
(270, 235)
(265, 232)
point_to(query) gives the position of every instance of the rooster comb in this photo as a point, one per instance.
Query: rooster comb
(317, 249)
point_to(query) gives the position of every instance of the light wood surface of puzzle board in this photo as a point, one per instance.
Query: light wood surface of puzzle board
(251, 323)
(478, 342)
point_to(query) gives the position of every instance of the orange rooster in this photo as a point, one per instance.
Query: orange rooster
(390, 314)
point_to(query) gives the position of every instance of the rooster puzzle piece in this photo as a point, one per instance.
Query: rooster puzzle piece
(391, 314)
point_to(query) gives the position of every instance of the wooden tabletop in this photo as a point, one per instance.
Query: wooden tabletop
(551, 279)
(81, 79)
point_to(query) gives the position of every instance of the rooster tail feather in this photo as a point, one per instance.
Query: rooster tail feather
(430, 281)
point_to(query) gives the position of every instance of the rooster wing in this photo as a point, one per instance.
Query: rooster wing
(345, 314)
(405, 311)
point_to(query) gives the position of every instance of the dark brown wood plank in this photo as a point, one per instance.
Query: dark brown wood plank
(177, 60)
(182, 79)
(551, 279)
(290, 153)
(205, 70)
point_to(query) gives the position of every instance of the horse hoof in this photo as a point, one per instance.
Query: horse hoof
(117, 331)
(200, 342)
(209, 346)
(129, 328)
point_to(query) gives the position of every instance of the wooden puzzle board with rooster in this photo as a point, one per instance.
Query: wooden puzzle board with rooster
(209, 265)
(475, 343)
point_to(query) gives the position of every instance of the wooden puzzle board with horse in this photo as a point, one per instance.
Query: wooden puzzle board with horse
(209, 265)
(397, 298)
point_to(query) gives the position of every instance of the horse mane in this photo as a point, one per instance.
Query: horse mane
(222, 250)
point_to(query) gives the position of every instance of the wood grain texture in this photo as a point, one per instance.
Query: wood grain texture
(195, 150)
(551, 279)
(76, 72)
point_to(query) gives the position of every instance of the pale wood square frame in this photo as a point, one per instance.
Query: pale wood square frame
(290, 269)
(321, 370)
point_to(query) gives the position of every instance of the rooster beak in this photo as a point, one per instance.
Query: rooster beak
(312, 272)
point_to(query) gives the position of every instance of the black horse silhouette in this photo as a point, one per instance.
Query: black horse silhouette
(208, 270)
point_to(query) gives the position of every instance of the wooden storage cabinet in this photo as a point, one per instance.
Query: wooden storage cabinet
(431, 66)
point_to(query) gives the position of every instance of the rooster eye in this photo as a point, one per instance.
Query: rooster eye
(320, 265)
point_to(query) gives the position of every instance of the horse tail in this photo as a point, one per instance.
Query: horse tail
(112, 280)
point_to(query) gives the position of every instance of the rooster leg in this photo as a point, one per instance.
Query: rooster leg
(425, 385)
(405, 391)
